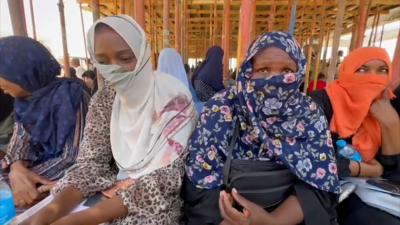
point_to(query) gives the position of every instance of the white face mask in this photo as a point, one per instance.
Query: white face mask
(116, 75)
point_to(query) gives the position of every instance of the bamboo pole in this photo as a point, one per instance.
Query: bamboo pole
(381, 38)
(165, 24)
(326, 48)
(336, 39)
(64, 38)
(376, 27)
(226, 37)
(33, 19)
(123, 6)
(374, 24)
(17, 15)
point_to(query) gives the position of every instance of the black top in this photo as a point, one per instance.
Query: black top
(6, 105)
(391, 164)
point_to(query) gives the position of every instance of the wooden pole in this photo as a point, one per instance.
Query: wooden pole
(211, 25)
(247, 7)
(326, 48)
(177, 27)
(293, 17)
(288, 14)
(17, 15)
(309, 52)
(96, 10)
(226, 37)
(64, 38)
(361, 24)
(33, 19)
(165, 24)
(374, 24)
(381, 38)
(215, 24)
(272, 16)
(83, 31)
(336, 39)
(123, 6)
(376, 27)
(116, 7)
(319, 50)
(396, 65)
(139, 13)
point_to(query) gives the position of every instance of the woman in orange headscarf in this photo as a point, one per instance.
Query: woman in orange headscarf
(359, 109)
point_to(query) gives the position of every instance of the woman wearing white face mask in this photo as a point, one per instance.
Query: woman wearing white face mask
(137, 127)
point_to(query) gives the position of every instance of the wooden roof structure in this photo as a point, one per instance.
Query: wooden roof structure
(203, 19)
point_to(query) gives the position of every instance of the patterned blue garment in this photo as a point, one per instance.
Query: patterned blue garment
(277, 122)
(49, 114)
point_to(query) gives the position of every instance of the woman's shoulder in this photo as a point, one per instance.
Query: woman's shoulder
(104, 97)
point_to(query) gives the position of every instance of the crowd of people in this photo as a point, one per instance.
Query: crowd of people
(175, 146)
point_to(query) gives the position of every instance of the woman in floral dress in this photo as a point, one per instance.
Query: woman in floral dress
(276, 123)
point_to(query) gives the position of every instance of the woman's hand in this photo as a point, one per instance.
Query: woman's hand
(252, 214)
(23, 184)
(368, 169)
(383, 111)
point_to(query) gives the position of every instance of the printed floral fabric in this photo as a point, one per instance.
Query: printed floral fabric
(277, 122)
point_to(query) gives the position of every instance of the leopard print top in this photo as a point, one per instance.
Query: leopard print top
(153, 199)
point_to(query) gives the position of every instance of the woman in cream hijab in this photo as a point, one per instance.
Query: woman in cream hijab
(137, 127)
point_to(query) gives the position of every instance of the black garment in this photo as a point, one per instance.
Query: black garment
(201, 205)
(6, 105)
(204, 91)
(353, 210)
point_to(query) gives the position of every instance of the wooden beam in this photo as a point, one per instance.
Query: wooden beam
(96, 9)
(177, 26)
(139, 13)
(396, 65)
(165, 24)
(336, 39)
(247, 8)
(361, 23)
(17, 15)
(226, 37)
(64, 38)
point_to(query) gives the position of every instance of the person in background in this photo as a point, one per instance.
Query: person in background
(6, 121)
(89, 77)
(76, 64)
(208, 78)
(72, 72)
(275, 122)
(50, 115)
(359, 110)
(170, 62)
(137, 128)
(321, 83)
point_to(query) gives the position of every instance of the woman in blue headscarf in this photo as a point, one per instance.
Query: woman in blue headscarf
(274, 122)
(49, 113)
(208, 78)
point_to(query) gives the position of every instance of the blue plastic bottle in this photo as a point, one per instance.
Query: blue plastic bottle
(348, 151)
(7, 208)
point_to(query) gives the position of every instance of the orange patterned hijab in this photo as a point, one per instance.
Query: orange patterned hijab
(351, 97)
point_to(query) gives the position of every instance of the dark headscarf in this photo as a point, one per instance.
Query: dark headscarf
(209, 76)
(49, 114)
(277, 122)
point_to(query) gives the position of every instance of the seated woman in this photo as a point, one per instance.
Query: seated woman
(358, 109)
(208, 78)
(277, 123)
(49, 118)
(137, 127)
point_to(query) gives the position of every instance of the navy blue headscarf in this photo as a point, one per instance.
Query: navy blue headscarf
(49, 114)
(211, 70)
(277, 122)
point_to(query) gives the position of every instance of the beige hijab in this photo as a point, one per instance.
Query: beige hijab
(152, 115)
